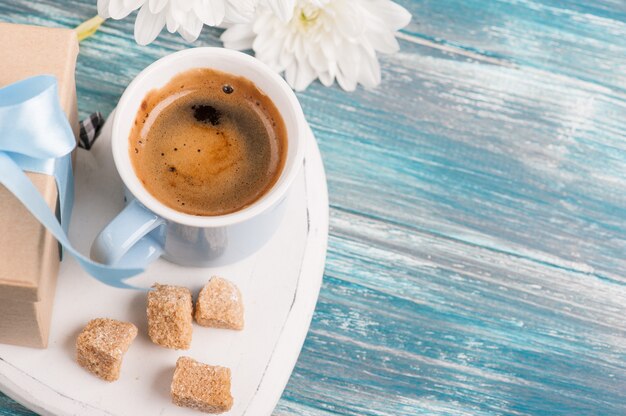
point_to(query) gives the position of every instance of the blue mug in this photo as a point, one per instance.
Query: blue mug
(146, 229)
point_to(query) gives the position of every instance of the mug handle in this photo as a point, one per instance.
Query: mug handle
(132, 238)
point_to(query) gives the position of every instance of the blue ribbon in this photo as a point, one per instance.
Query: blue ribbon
(35, 136)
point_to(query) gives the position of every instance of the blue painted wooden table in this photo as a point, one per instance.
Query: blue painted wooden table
(477, 252)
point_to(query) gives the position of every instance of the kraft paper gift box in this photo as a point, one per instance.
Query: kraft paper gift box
(29, 254)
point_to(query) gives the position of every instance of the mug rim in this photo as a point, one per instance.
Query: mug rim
(119, 145)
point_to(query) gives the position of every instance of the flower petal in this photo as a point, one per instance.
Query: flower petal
(103, 8)
(172, 23)
(191, 28)
(329, 49)
(326, 78)
(350, 20)
(239, 11)
(133, 4)
(232, 15)
(265, 20)
(271, 56)
(148, 25)
(282, 8)
(383, 41)
(210, 12)
(265, 40)
(316, 58)
(345, 82)
(290, 74)
(183, 5)
(175, 17)
(332, 69)
(118, 10)
(285, 59)
(348, 67)
(304, 76)
(156, 6)
(394, 15)
(239, 36)
(369, 74)
(300, 50)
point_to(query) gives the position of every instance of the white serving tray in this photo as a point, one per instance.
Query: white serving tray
(280, 284)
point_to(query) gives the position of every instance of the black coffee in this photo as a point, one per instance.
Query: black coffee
(208, 143)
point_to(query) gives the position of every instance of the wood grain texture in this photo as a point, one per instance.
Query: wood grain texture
(478, 210)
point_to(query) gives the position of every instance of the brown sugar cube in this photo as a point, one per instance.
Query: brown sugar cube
(219, 305)
(201, 386)
(100, 347)
(170, 315)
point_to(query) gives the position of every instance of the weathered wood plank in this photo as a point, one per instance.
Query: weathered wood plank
(439, 327)
(578, 38)
(9, 408)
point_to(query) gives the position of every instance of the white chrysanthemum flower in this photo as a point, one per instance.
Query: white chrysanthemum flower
(325, 39)
(183, 16)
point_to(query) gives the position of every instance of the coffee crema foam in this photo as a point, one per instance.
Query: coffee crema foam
(208, 143)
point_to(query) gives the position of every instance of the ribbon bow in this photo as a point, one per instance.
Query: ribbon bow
(36, 136)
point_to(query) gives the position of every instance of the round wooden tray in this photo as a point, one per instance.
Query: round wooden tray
(280, 284)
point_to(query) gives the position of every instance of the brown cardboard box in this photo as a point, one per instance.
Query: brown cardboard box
(29, 255)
